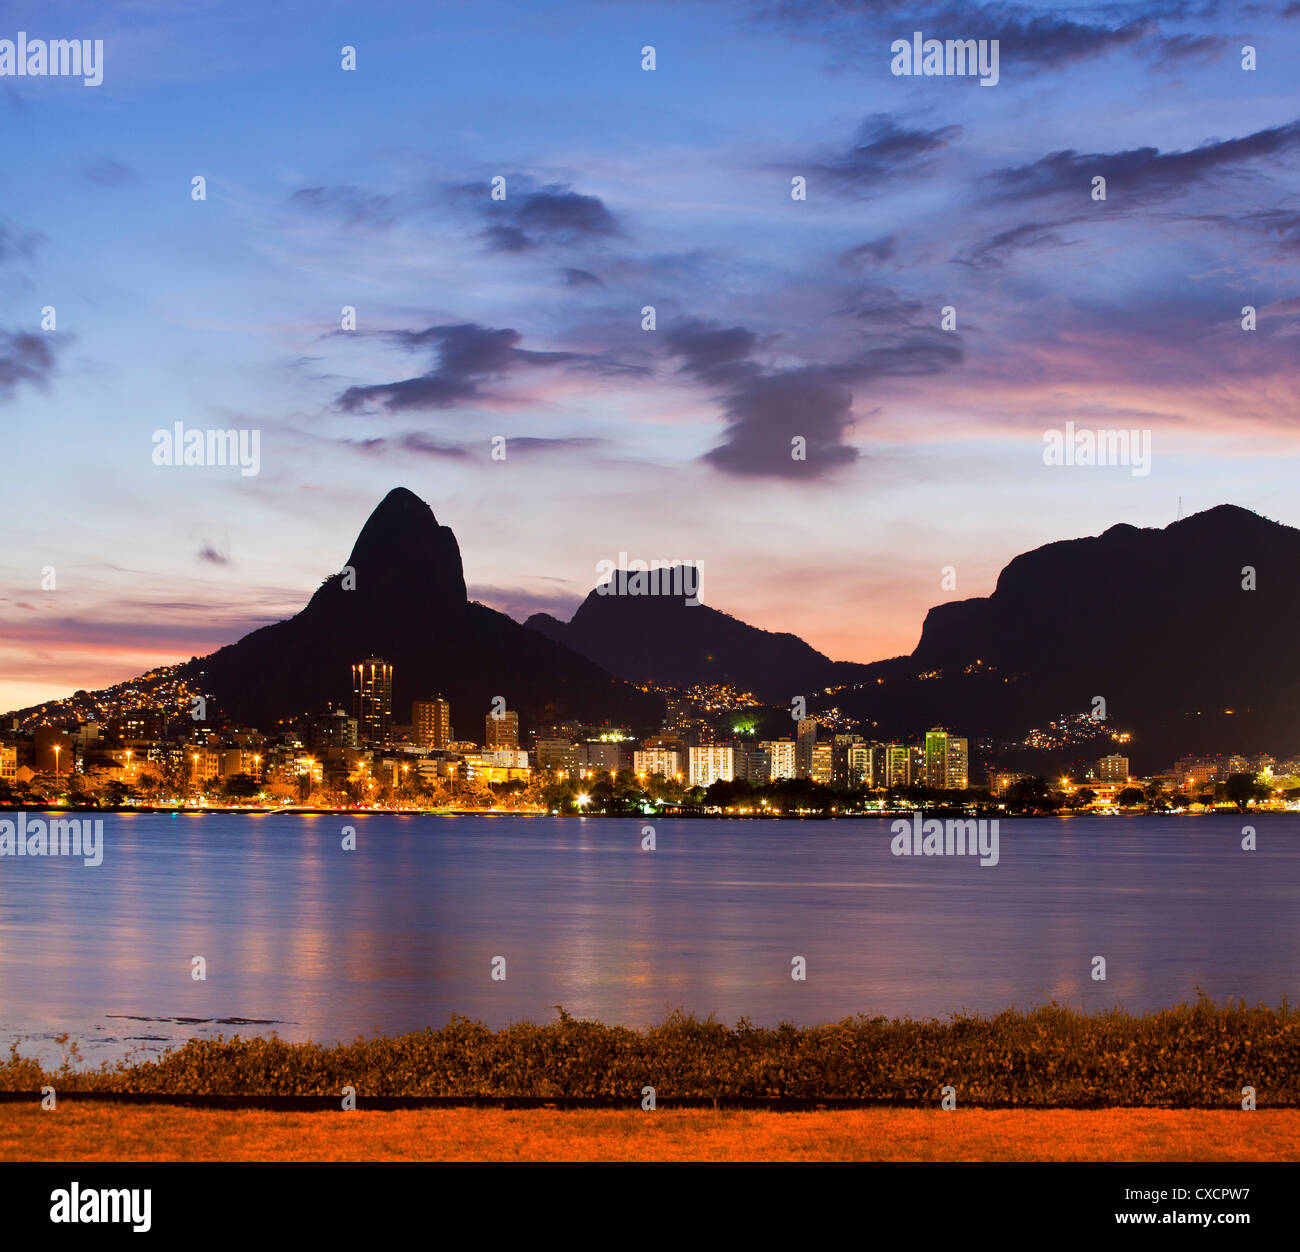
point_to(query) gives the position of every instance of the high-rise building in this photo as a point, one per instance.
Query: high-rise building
(898, 765)
(753, 763)
(710, 763)
(557, 753)
(806, 739)
(860, 765)
(372, 697)
(331, 729)
(936, 758)
(957, 767)
(1114, 769)
(650, 761)
(821, 766)
(501, 730)
(783, 753)
(431, 720)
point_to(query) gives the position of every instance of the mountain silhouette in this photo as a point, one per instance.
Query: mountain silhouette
(1156, 622)
(664, 640)
(401, 596)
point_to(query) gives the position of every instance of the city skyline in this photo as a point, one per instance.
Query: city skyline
(522, 319)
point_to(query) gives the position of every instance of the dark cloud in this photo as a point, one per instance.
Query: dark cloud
(1139, 173)
(210, 554)
(531, 216)
(767, 408)
(507, 239)
(994, 252)
(415, 442)
(108, 172)
(580, 278)
(24, 358)
(712, 353)
(468, 355)
(873, 252)
(350, 204)
(882, 150)
(1028, 38)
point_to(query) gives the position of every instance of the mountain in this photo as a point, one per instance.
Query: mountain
(664, 640)
(1155, 621)
(409, 606)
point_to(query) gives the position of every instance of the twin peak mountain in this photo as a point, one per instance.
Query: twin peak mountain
(1158, 622)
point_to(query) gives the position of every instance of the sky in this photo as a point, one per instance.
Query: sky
(777, 318)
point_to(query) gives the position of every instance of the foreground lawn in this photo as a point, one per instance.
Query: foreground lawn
(101, 1132)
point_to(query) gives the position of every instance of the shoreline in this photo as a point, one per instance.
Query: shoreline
(692, 815)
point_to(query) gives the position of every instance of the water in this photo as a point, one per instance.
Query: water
(308, 941)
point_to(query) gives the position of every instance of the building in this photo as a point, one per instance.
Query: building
(431, 720)
(753, 763)
(957, 776)
(784, 754)
(561, 754)
(8, 763)
(821, 764)
(500, 730)
(1112, 769)
(650, 761)
(372, 698)
(604, 755)
(860, 765)
(935, 769)
(806, 738)
(898, 765)
(710, 763)
(333, 729)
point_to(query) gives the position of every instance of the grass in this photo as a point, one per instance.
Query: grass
(92, 1131)
(1190, 1056)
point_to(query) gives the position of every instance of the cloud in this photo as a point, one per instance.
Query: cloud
(1029, 39)
(873, 252)
(882, 151)
(996, 251)
(1139, 174)
(580, 278)
(712, 353)
(108, 172)
(350, 204)
(212, 555)
(24, 358)
(554, 214)
(414, 441)
(767, 408)
(468, 355)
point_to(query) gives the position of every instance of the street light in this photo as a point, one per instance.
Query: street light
(57, 750)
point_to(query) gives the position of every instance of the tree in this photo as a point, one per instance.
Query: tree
(1129, 797)
(241, 787)
(1241, 789)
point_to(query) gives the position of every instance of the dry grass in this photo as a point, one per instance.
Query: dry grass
(91, 1132)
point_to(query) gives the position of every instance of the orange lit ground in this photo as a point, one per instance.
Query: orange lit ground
(87, 1131)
